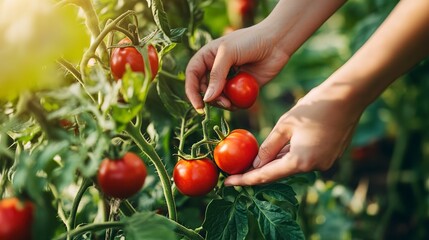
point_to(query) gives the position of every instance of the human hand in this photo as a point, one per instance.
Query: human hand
(251, 49)
(311, 136)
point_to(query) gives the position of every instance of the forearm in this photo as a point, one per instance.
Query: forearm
(399, 43)
(292, 22)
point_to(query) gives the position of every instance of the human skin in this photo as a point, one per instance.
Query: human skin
(314, 133)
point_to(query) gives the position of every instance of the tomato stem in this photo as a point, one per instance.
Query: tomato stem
(90, 228)
(86, 183)
(150, 152)
(219, 132)
(206, 140)
(99, 39)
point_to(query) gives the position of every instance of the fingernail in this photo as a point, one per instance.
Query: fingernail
(200, 111)
(256, 162)
(208, 94)
(227, 183)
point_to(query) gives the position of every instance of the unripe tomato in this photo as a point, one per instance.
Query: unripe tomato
(195, 177)
(16, 219)
(235, 153)
(123, 177)
(130, 55)
(242, 90)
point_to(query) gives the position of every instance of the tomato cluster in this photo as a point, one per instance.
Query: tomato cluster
(242, 90)
(16, 219)
(123, 177)
(121, 57)
(233, 155)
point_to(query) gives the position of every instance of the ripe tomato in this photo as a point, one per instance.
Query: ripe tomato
(235, 153)
(245, 7)
(130, 55)
(195, 177)
(242, 90)
(16, 218)
(123, 177)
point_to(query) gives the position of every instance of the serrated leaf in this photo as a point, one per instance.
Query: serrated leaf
(278, 191)
(176, 34)
(274, 222)
(174, 104)
(149, 226)
(226, 220)
(160, 16)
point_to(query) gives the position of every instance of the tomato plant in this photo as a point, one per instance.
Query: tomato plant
(195, 177)
(54, 142)
(123, 56)
(242, 90)
(16, 219)
(236, 152)
(123, 177)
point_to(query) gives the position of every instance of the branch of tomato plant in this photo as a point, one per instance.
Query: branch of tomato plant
(184, 133)
(206, 139)
(86, 183)
(91, 20)
(93, 227)
(150, 152)
(60, 207)
(170, 75)
(90, 53)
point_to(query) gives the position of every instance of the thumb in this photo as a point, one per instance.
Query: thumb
(218, 73)
(272, 146)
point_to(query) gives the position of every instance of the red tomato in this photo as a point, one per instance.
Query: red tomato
(195, 177)
(245, 7)
(122, 178)
(242, 90)
(16, 218)
(235, 153)
(131, 56)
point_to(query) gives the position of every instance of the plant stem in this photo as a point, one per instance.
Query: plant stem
(186, 232)
(72, 218)
(90, 227)
(97, 41)
(205, 139)
(127, 209)
(150, 152)
(170, 75)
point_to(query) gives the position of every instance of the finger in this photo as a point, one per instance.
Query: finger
(199, 65)
(273, 144)
(218, 74)
(272, 171)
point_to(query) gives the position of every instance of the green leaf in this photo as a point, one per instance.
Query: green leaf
(226, 220)
(149, 226)
(278, 191)
(274, 222)
(176, 34)
(173, 103)
(160, 16)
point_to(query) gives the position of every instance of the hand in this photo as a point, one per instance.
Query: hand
(251, 49)
(311, 136)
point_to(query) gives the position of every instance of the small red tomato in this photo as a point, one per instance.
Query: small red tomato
(195, 177)
(16, 219)
(123, 177)
(130, 55)
(235, 153)
(242, 90)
